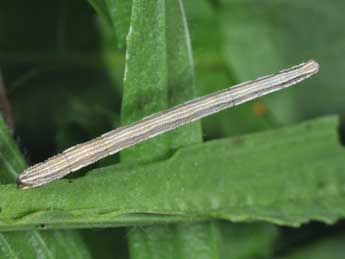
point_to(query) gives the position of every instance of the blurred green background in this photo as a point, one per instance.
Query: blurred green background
(63, 69)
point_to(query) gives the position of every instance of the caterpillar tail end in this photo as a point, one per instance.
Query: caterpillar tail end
(21, 185)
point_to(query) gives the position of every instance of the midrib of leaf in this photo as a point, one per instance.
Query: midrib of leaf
(12, 163)
(174, 53)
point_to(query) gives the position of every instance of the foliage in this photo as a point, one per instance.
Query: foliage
(263, 165)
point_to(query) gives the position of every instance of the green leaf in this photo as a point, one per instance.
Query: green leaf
(43, 244)
(212, 74)
(120, 13)
(32, 244)
(49, 67)
(102, 10)
(206, 33)
(11, 162)
(82, 122)
(175, 241)
(146, 91)
(247, 118)
(146, 76)
(246, 240)
(161, 241)
(180, 71)
(116, 13)
(263, 36)
(244, 185)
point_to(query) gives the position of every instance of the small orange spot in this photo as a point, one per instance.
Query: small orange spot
(259, 108)
(238, 140)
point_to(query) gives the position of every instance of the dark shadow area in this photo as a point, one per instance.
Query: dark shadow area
(291, 239)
